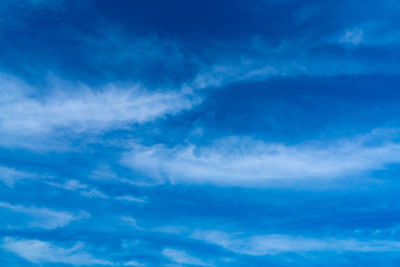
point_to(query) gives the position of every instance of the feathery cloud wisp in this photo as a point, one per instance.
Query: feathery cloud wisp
(274, 244)
(41, 252)
(9, 176)
(242, 160)
(86, 109)
(182, 257)
(46, 218)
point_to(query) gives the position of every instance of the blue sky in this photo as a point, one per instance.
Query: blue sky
(199, 133)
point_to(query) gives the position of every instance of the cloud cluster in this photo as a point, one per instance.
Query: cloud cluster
(100, 77)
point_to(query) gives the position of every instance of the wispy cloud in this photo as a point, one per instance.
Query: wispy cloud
(133, 263)
(81, 109)
(131, 222)
(131, 199)
(353, 37)
(41, 252)
(182, 257)
(238, 160)
(9, 175)
(371, 34)
(288, 60)
(46, 218)
(83, 189)
(90, 191)
(273, 244)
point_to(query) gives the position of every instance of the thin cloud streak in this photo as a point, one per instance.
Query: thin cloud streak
(46, 218)
(275, 244)
(41, 252)
(182, 257)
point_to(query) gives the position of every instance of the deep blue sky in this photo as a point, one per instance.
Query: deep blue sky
(199, 133)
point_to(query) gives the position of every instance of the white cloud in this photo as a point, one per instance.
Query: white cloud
(354, 37)
(71, 184)
(286, 60)
(172, 229)
(131, 199)
(83, 189)
(240, 161)
(40, 252)
(182, 257)
(375, 34)
(91, 192)
(131, 222)
(76, 108)
(273, 244)
(133, 263)
(9, 176)
(46, 218)
(230, 72)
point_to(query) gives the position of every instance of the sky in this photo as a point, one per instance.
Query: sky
(199, 133)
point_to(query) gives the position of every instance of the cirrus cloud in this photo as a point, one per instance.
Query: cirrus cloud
(240, 160)
(41, 252)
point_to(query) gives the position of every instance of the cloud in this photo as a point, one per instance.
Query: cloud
(9, 176)
(46, 218)
(131, 199)
(133, 263)
(276, 63)
(131, 222)
(182, 257)
(239, 160)
(291, 60)
(83, 189)
(274, 244)
(92, 192)
(41, 252)
(223, 73)
(353, 37)
(376, 35)
(78, 108)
